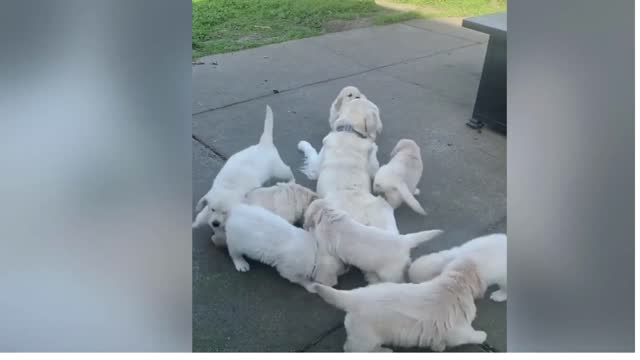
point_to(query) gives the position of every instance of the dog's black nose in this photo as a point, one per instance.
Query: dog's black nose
(216, 223)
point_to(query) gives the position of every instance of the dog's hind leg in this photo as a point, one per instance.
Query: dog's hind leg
(282, 171)
(465, 335)
(360, 336)
(500, 294)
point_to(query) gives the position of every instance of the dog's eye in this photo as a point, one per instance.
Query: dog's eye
(213, 210)
(350, 95)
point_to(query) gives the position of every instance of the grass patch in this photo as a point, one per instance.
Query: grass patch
(391, 18)
(459, 8)
(220, 26)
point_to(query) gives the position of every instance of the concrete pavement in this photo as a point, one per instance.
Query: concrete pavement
(423, 75)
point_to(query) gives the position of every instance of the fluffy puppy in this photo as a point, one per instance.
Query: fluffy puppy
(488, 252)
(435, 314)
(266, 237)
(381, 255)
(244, 171)
(397, 180)
(347, 94)
(348, 157)
(287, 200)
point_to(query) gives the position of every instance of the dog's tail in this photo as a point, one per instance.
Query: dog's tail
(267, 133)
(415, 239)
(408, 198)
(338, 298)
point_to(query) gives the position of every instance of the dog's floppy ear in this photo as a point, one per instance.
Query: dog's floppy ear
(376, 116)
(371, 125)
(311, 215)
(337, 103)
(201, 203)
(201, 219)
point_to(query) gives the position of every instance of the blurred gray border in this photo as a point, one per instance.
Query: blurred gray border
(571, 175)
(95, 164)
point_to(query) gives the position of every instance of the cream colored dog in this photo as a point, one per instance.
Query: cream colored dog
(398, 179)
(346, 95)
(261, 235)
(381, 255)
(435, 314)
(287, 200)
(243, 172)
(488, 252)
(347, 162)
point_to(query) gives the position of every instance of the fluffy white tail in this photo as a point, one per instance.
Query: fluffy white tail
(408, 198)
(415, 239)
(267, 134)
(337, 298)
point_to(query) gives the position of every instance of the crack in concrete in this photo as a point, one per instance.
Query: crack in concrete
(322, 336)
(217, 153)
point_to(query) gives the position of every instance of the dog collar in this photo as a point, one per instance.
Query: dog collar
(349, 128)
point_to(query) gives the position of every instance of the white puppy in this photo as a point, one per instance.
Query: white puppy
(264, 236)
(244, 171)
(381, 255)
(288, 200)
(347, 94)
(397, 180)
(346, 164)
(435, 314)
(488, 252)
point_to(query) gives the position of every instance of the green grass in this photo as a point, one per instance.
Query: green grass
(447, 8)
(220, 26)
(384, 19)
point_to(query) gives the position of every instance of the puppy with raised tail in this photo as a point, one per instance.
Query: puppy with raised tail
(397, 180)
(381, 255)
(261, 235)
(287, 200)
(436, 314)
(243, 172)
(488, 252)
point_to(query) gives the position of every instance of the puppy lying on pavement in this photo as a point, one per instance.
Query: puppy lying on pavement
(288, 200)
(266, 237)
(244, 171)
(397, 180)
(488, 252)
(435, 314)
(381, 255)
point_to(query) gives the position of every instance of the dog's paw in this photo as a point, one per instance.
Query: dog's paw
(498, 296)
(479, 337)
(304, 146)
(241, 265)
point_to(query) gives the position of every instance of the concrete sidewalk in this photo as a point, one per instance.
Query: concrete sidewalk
(423, 75)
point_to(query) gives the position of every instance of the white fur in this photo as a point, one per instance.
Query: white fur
(435, 314)
(347, 163)
(244, 171)
(381, 255)
(488, 252)
(398, 179)
(347, 94)
(266, 237)
(287, 200)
